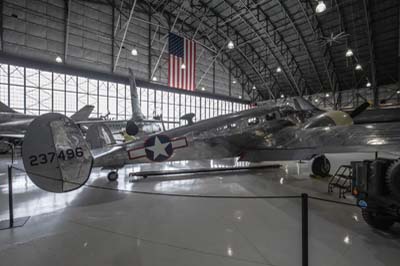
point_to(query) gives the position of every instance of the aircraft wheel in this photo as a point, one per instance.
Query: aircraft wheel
(321, 166)
(377, 220)
(112, 176)
(392, 179)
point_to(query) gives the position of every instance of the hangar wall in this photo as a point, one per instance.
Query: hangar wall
(37, 29)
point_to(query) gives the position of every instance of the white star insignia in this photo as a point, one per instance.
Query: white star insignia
(158, 148)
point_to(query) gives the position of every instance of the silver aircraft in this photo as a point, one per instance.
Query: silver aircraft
(136, 127)
(14, 124)
(57, 157)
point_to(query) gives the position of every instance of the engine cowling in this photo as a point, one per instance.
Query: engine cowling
(328, 119)
(132, 128)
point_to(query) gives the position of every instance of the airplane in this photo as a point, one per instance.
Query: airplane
(135, 127)
(14, 124)
(57, 158)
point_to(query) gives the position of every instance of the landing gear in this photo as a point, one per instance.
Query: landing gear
(392, 179)
(112, 176)
(377, 220)
(321, 166)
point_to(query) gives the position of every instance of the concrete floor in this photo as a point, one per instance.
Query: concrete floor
(94, 226)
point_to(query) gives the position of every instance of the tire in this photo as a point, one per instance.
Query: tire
(392, 179)
(377, 220)
(321, 166)
(112, 176)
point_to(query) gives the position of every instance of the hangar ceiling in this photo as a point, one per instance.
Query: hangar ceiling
(309, 48)
(281, 47)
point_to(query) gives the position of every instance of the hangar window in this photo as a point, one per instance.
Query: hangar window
(46, 91)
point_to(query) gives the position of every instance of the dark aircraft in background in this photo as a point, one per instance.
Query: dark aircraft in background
(13, 124)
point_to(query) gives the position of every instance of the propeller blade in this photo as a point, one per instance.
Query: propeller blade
(359, 109)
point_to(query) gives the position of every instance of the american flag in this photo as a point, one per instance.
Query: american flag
(182, 63)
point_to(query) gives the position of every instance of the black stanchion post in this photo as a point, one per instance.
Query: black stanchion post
(17, 222)
(10, 196)
(304, 227)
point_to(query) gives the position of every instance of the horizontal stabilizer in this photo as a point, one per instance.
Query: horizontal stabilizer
(83, 114)
(4, 108)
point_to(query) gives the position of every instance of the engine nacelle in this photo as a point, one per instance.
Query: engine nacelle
(132, 128)
(328, 119)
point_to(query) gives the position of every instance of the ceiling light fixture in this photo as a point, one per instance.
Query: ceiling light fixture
(134, 52)
(358, 67)
(203, 89)
(327, 95)
(240, 96)
(183, 66)
(349, 53)
(321, 7)
(234, 82)
(282, 96)
(254, 87)
(230, 45)
(368, 84)
(155, 78)
(58, 59)
(279, 69)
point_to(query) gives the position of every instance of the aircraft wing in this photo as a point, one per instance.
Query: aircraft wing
(302, 144)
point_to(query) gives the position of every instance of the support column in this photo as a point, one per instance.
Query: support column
(230, 80)
(398, 56)
(112, 38)
(371, 52)
(149, 44)
(1, 26)
(66, 37)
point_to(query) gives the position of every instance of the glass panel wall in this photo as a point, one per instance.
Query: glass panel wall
(34, 91)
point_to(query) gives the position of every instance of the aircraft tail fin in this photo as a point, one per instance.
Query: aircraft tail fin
(83, 113)
(99, 136)
(137, 114)
(302, 104)
(55, 155)
(4, 108)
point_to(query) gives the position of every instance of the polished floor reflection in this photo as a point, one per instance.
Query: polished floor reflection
(94, 226)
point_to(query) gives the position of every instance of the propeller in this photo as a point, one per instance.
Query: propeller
(359, 109)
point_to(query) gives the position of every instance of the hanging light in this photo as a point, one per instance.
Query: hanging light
(155, 78)
(230, 45)
(349, 53)
(234, 82)
(398, 92)
(58, 59)
(203, 89)
(134, 51)
(278, 69)
(327, 95)
(183, 66)
(321, 7)
(368, 84)
(282, 96)
(240, 96)
(316, 100)
(358, 67)
(254, 87)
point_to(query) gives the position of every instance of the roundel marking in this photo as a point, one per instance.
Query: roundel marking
(158, 148)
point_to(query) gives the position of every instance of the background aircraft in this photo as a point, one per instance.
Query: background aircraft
(14, 124)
